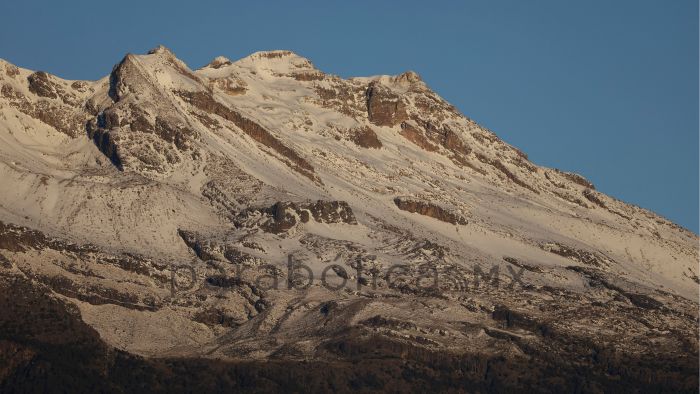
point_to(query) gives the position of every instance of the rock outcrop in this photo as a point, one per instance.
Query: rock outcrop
(384, 108)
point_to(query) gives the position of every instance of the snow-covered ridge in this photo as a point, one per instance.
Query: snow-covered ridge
(247, 162)
(268, 62)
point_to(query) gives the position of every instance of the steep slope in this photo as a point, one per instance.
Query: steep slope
(165, 203)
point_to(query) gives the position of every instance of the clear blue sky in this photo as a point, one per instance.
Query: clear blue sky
(605, 88)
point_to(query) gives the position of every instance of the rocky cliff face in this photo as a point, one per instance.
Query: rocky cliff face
(180, 214)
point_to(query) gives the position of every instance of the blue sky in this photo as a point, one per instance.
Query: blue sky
(608, 89)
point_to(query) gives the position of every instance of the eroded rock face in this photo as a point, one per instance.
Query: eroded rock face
(306, 76)
(206, 102)
(451, 140)
(578, 179)
(415, 135)
(70, 282)
(284, 215)
(365, 137)
(135, 138)
(230, 86)
(498, 165)
(578, 255)
(384, 108)
(409, 77)
(18, 239)
(346, 97)
(430, 210)
(330, 212)
(52, 103)
(593, 197)
(11, 70)
(41, 85)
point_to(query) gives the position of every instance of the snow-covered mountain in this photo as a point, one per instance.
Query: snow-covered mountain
(158, 203)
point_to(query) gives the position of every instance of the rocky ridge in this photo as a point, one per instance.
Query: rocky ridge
(177, 214)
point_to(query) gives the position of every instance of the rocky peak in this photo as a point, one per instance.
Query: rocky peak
(218, 62)
(161, 50)
(123, 74)
(408, 77)
(384, 107)
(142, 129)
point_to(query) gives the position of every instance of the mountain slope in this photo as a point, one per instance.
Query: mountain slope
(162, 201)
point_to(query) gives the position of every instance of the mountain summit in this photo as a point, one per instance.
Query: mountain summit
(181, 214)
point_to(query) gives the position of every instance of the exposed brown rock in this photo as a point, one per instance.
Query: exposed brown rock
(219, 62)
(321, 211)
(80, 86)
(313, 75)
(578, 179)
(207, 103)
(230, 86)
(553, 180)
(214, 316)
(365, 137)
(104, 142)
(408, 77)
(384, 108)
(344, 97)
(415, 135)
(380, 321)
(430, 137)
(520, 264)
(592, 197)
(18, 239)
(429, 209)
(283, 215)
(453, 142)
(11, 70)
(579, 255)
(206, 120)
(93, 294)
(275, 54)
(40, 84)
(598, 278)
(330, 211)
(202, 249)
(497, 164)
(569, 198)
(63, 118)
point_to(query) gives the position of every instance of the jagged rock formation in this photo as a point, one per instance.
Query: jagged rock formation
(178, 215)
(429, 209)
